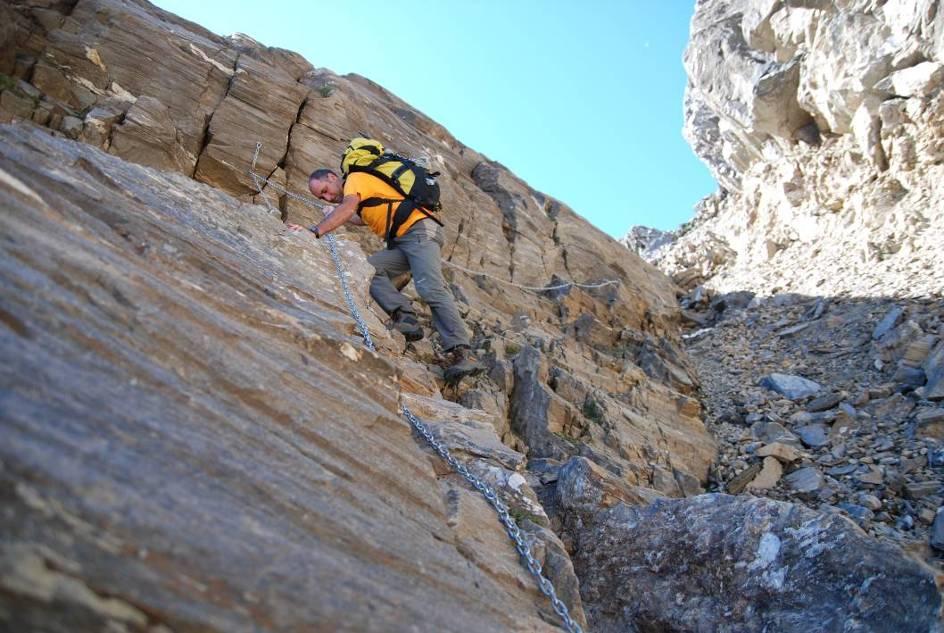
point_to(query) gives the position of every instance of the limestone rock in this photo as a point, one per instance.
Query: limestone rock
(647, 241)
(915, 81)
(822, 123)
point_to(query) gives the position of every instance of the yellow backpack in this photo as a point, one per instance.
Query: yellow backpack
(414, 182)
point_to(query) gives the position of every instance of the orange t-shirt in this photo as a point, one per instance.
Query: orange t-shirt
(367, 186)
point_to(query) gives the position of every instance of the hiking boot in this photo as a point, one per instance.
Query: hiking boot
(406, 324)
(461, 363)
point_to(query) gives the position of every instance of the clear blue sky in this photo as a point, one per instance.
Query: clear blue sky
(583, 100)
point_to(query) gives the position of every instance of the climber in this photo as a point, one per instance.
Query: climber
(414, 248)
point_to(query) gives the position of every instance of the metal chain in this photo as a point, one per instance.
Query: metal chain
(512, 529)
(338, 266)
(608, 282)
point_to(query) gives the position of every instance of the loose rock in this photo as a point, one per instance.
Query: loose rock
(792, 387)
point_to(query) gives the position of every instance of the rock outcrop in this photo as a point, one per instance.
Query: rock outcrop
(647, 242)
(824, 125)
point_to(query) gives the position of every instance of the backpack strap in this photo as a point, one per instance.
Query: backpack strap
(373, 170)
(402, 214)
(392, 225)
(373, 202)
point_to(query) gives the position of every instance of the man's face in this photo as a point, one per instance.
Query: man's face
(327, 188)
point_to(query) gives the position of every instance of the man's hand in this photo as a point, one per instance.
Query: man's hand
(339, 214)
(295, 228)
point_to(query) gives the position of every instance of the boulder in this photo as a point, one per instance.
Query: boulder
(751, 563)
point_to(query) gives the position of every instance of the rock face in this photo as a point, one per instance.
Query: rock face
(824, 125)
(647, 242)
(203, 105)
(168, 322)
(194, 439)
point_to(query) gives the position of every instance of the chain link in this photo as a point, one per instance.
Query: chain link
(511, 528)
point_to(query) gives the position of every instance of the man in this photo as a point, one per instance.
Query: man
(415, 248)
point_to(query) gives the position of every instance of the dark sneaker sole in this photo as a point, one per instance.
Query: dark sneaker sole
(412, 336)
(451, 375)
(414, 333)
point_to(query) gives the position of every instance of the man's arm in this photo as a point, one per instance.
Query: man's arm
(344, 212)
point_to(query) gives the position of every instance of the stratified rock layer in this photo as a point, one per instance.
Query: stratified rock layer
(149, 87)
(250, 327)
(194, 438)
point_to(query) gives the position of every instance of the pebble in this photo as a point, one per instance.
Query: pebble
(824, 402)
(807, 479)
(858, 513)
(919, 490)
(870, 501)
(872, 476)
(845, 469)
(813, 435)
(791, 386)
(768, 476)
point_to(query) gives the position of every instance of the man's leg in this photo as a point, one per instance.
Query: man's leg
(388, 264)
(422, 250)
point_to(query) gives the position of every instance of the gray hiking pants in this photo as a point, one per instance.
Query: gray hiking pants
(418, 251)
